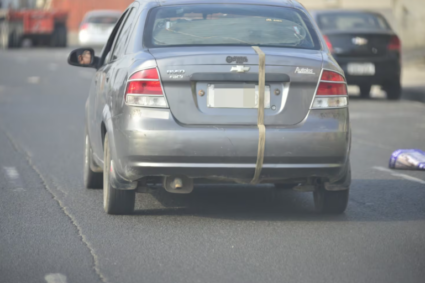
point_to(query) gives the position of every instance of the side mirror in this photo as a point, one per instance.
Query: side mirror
(83, 57)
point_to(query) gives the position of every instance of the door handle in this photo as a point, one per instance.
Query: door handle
(107, 79)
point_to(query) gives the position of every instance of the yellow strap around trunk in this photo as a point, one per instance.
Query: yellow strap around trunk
(260, 120)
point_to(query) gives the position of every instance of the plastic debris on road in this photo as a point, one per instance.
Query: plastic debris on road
(408, 159)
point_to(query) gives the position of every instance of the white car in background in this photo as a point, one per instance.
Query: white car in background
(97, 26)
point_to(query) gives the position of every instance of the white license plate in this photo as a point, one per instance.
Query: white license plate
(229, 97)
(361, 69)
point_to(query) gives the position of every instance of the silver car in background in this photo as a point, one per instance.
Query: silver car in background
(97, 26)
(177, 97)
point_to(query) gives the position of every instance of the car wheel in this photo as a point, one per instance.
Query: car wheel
(92, 180)
(333, 202)
(118, 202)
(61, 32)
(330, 202)
(365, 90)
(393, 90)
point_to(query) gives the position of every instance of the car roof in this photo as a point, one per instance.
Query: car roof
(283, 3)
(95, 13)
(341, 11)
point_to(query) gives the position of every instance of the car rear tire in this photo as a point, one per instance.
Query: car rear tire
(328, 202)
(393, 90)
(333, 202)
(365, 90)
(116, 202)
(92, 180)
(59, 36)
(62, 35)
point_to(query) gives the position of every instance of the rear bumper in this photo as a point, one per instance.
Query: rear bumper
(387, 69)
(150, 142)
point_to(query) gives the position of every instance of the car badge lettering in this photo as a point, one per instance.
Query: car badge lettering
(359, 41)
(304, 71)
(175, 72)
(237, 59)
(239, 69)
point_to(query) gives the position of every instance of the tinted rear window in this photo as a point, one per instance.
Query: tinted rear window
(110, 20)
(350, 21)
(224, 24)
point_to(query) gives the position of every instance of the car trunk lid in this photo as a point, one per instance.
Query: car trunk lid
(201, 89)
(360, 43)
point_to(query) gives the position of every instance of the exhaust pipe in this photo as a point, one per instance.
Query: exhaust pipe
(178, 184)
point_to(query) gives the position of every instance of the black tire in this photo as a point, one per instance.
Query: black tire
(365, 90)
(330, 202)
(62, 35)
(92, 180)
(59, 36)
(393, 90)
(117, 202)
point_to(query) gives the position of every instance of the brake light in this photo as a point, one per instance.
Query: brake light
(144, 89)
(395, 44)
(331, 89)
(332, 77)
(84, 26)
(149, 74)
(328, 43)
(331, 92)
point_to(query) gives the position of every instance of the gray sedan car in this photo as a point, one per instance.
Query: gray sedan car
(205, 91)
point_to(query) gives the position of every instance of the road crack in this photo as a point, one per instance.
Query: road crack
(65, 210)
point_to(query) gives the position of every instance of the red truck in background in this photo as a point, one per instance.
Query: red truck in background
(42, 25)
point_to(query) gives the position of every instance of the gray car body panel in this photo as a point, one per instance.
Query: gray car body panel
(198, 142)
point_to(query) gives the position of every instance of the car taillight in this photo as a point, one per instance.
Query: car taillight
(395, 44)
(328, 43)
(331, 92)
(144, 89)
(84, 26)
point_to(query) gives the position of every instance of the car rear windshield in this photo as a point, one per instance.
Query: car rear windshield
(224, 24)
(352, 21)
(107, 20)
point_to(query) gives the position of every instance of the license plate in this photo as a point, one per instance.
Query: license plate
(226, 96)
(361, 69)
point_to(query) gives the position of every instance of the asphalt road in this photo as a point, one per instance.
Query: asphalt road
(53, 230)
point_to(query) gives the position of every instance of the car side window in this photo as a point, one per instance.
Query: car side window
(122, 39)
(106, 52)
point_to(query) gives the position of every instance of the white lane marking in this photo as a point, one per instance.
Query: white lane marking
(14, 178)
(33, 80)
(403, 176)
(12, 173)
(55, 278)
